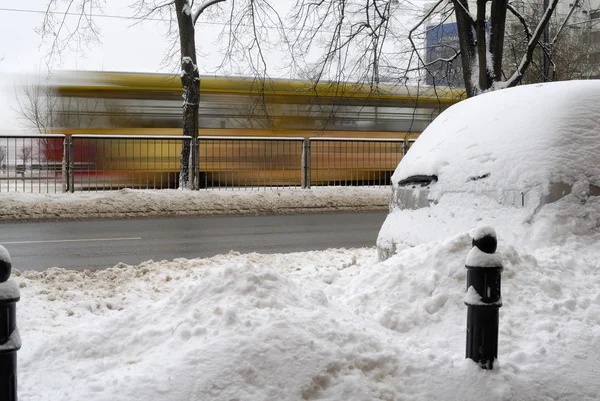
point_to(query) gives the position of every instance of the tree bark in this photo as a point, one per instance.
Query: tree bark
(498, 28)
(484, 79)
(190, 80)
(464, 24)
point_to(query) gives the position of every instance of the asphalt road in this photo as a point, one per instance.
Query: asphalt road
(105, 243)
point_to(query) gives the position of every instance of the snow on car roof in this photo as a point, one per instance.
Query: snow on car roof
(517, 138)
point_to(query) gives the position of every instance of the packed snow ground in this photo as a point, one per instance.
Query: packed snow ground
(330, 325)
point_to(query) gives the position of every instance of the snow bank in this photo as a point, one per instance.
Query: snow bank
(142, 203)
(329, 325)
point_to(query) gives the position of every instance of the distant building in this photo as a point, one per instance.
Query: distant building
(593, 25)
(442, 44)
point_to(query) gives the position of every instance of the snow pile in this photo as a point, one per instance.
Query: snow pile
(514, 139)
(560, 223)
(330, 325)
(144, 203)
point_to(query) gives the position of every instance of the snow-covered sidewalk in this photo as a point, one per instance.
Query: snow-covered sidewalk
(144, 203)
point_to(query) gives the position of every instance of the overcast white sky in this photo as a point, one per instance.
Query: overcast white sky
(125, 47)
(121, 42)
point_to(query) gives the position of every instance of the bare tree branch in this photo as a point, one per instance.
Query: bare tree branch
(564, 23)
(417, 26)
(62, 34)
(202, 8)
(355, 39)
(518, 74)
(448, 60)
(146, 11)
(24, 154)
(521, 19)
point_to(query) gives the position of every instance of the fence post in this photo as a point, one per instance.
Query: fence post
(71, 164)
(305, 163)
(65, 164)
(483, 298)
(10, 340)
(194, 173)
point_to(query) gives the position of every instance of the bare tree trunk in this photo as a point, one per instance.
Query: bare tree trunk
(190, 79)
(484, 81)
(464, 24)
(482, 62)
(498, 28)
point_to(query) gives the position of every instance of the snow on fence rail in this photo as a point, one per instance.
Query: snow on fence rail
(60, 163)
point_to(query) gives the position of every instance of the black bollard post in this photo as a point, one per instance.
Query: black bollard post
(483, 298)
(10, 341)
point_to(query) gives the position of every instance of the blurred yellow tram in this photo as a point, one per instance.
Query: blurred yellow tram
(129, 104)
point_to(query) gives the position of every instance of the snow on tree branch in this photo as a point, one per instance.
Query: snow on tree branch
(521, 20)
(564, 23)
(526, 60)
(202, 8)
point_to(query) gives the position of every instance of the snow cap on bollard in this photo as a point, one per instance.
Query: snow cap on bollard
(485, 239)
(5, 264)
(485, 244)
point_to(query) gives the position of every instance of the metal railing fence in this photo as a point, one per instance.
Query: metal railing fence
(353, 161)
(109, 162)
(31, 163)
(250, 162)
(59, 163)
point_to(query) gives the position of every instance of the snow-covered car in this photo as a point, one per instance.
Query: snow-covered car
(523, 147)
